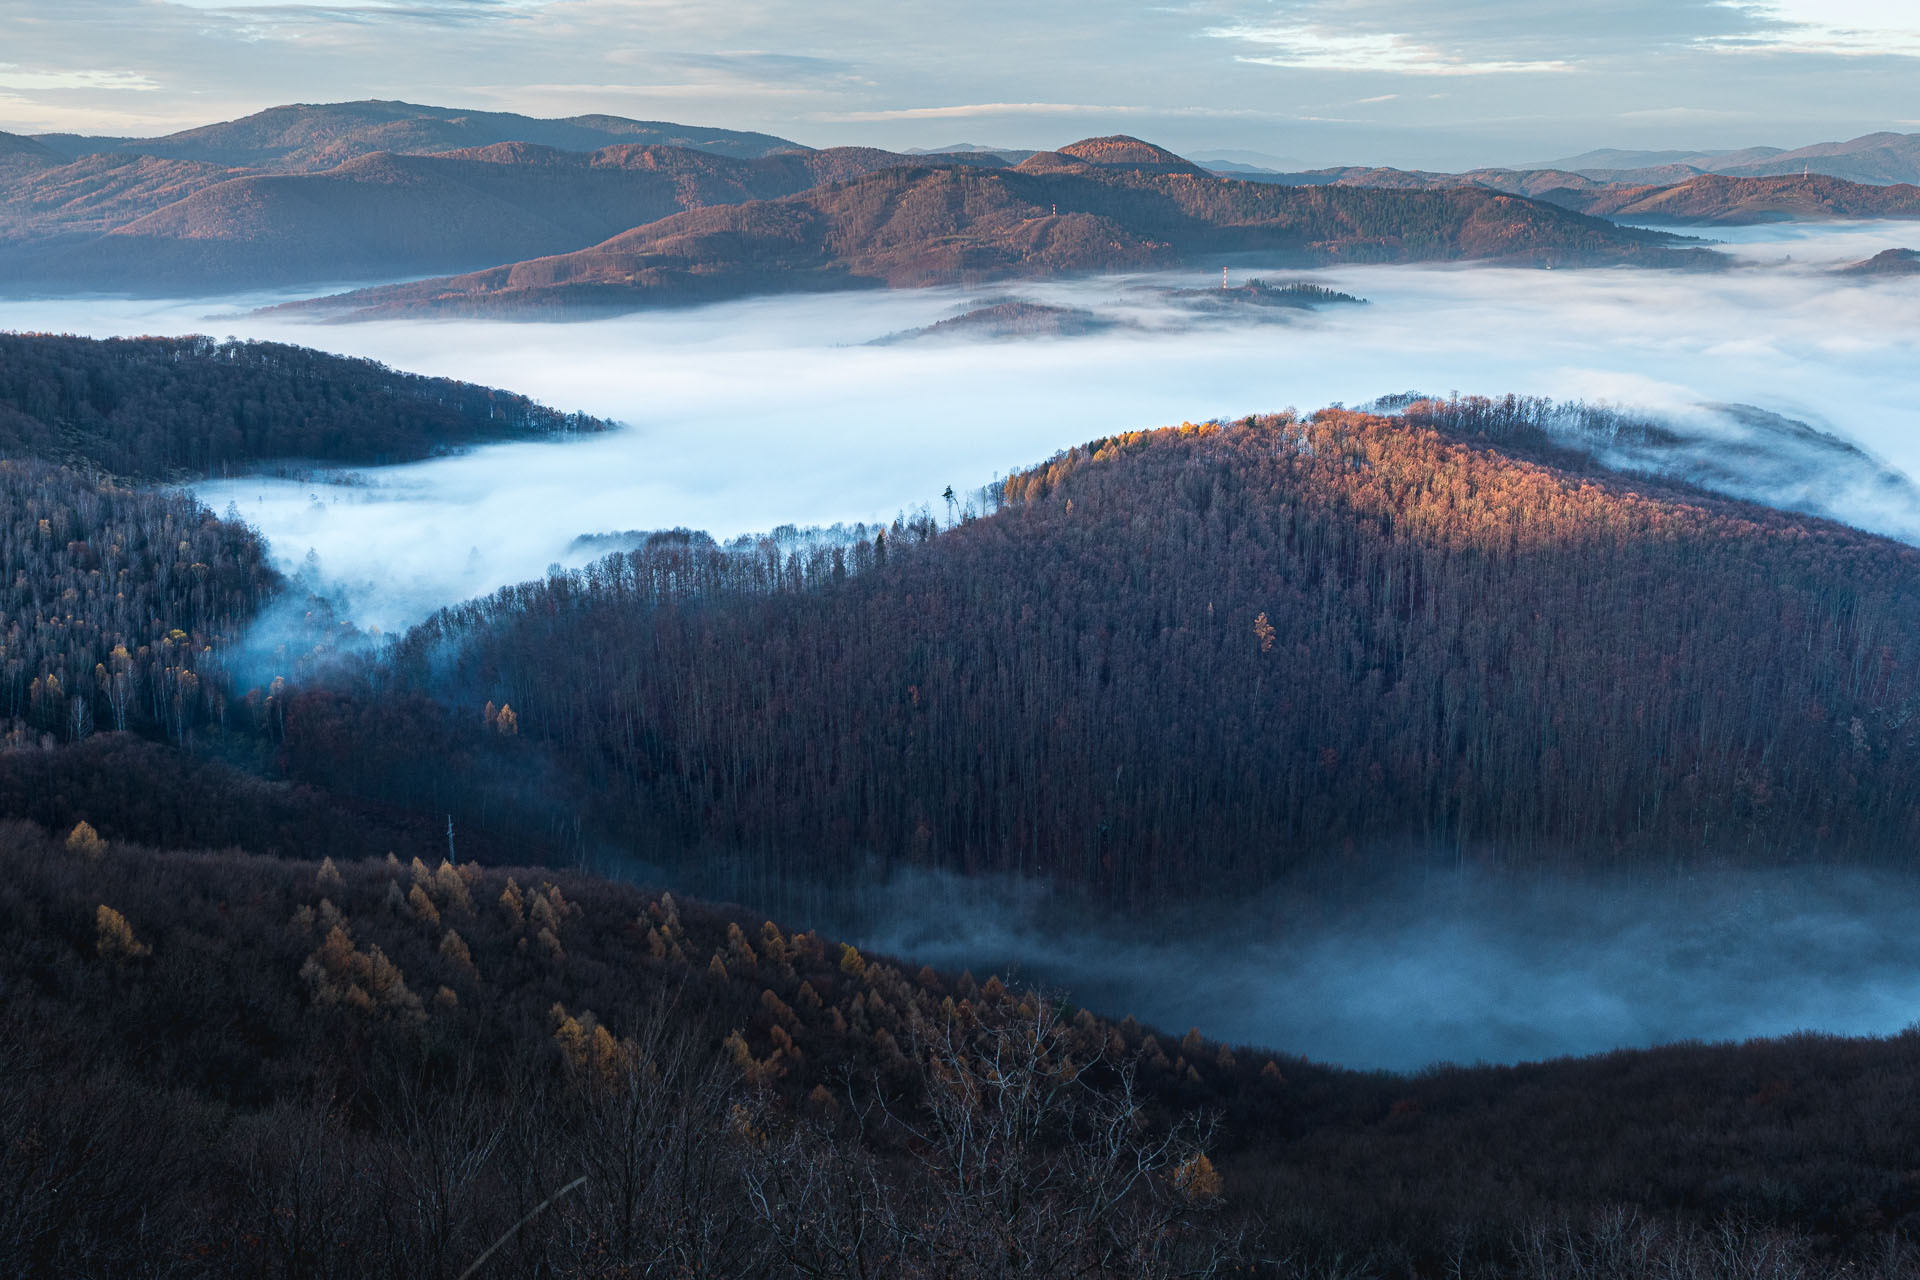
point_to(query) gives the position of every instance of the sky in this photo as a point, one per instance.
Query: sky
(1429, 83)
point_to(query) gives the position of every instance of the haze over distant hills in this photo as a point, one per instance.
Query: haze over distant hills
(1874, 157)
(1703, 200)
(1679, 195)
(1720, 198)
(527, 212)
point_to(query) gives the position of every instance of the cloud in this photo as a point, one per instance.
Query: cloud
(760, 63)
(260, 19)
(1469, 38)
(1842, 28)
(15, 77)
(1311, 49)
(1502, 37)
(317, 10)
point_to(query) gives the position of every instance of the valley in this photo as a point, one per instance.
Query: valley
(393, 544)
(587, 696)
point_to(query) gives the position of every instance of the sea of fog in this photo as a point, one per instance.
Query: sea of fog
(746, 415)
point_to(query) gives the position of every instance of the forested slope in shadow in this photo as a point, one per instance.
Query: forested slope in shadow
(178, 408)
(236, 1065)
(134, 622)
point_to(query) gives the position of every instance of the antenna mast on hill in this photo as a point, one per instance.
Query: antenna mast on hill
(1223, 277)
(450, 858)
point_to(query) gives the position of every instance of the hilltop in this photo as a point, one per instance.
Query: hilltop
(1173, 662)
(1888, 262)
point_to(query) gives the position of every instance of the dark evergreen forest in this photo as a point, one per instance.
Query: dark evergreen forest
(182, 408)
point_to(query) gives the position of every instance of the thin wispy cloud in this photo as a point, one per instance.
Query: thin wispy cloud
(24, 78)
(1833, 28)
(1311, 49)
(317, 10)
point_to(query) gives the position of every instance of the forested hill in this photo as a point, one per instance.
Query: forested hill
(1888, 262)
(185, 407)
(1106, 204)
(1197, 659)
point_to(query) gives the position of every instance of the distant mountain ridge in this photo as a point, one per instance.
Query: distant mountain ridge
(1884, 157)
(1715, 198)
(18, 150)
(1873, 160)
(306, 137)
(1102, 204)
(1682, 197)
(151, 224)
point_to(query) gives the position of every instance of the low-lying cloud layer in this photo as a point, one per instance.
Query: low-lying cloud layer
(748, 415)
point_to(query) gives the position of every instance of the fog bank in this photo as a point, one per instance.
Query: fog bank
(747, 415)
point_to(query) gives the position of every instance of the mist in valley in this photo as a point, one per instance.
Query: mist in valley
(1448, 966)
(745, 416)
